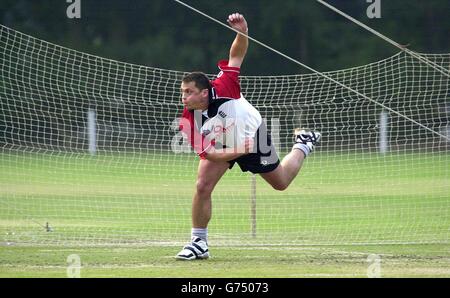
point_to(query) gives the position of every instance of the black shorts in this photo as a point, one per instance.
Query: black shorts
(264, 160)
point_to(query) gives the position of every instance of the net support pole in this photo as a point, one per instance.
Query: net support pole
(253, 205)
(383, 140)
(92, 131)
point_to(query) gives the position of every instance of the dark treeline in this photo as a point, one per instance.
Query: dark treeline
(46, 91)
(164, 34)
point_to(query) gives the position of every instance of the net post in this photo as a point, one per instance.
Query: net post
(383, 142)
(253, 205)
(92, 131)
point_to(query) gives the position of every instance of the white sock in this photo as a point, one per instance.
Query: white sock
(200, 233)
(305, 149)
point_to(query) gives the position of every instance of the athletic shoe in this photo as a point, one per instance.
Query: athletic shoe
(309, 138)
(197, 249)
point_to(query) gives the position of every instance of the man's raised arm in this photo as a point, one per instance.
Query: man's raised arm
(240, 43)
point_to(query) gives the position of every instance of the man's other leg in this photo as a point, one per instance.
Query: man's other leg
(209, 173)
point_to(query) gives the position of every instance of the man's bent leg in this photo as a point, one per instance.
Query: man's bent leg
(287, 170)
(284, 174)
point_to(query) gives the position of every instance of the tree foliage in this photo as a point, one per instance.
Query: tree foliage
(162, 33)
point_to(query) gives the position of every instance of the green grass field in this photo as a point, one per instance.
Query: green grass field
(250, 262)
(126, 215)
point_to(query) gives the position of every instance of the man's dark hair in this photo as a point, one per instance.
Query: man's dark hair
(200, 79)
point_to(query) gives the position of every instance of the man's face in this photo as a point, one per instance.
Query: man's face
(193, 98)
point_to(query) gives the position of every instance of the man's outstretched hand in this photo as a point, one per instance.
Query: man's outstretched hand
(238, 22)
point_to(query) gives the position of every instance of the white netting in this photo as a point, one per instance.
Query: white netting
(135, 185)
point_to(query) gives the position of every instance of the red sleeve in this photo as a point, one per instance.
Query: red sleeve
(227, 82)
(197, 140)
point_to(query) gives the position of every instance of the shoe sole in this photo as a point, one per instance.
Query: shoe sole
(204, 257)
